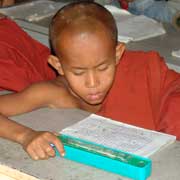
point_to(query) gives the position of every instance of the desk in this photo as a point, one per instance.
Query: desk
(166, 163)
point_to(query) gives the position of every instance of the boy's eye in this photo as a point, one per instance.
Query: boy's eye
(78, 72)
(103, 67)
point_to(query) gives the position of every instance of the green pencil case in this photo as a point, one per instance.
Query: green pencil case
(111, 160)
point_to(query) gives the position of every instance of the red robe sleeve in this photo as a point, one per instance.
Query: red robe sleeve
(23, 60)
(170, 115)
(167, 108)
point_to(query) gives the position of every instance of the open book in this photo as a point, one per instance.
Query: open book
(120, 136)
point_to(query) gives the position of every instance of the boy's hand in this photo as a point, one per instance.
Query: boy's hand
(37, 144)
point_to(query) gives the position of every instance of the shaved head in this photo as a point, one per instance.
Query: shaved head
(80, 18)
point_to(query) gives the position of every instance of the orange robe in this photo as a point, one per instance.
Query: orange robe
(145, 93)
(23, 60)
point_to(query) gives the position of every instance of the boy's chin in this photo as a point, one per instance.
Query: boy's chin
(95, 102)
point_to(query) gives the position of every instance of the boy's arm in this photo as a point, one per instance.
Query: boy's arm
(37, 144)
(43, 94)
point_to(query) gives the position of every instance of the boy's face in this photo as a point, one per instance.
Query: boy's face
(88, 62)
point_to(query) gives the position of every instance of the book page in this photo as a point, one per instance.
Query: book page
(139, 28)
(176, 53)
(119, 135)
(134, 28)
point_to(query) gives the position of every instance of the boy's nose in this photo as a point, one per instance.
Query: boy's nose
(92, 80)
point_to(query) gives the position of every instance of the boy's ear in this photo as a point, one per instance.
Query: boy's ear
(55, 63)
(120, 48)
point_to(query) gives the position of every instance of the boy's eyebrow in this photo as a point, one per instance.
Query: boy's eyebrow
(101, 63)
(74, 67)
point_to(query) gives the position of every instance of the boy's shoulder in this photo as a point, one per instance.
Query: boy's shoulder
(53, 93)
(49, 87)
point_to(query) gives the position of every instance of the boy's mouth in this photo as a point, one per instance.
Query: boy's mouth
(95, 96)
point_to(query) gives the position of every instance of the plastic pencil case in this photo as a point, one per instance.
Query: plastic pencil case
(108, 159)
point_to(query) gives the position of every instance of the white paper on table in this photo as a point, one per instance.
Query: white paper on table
(119, 135)
(176, 53)
(135, 28)
(33, 11)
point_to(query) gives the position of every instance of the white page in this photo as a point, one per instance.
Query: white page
(139, 28)
(135, 28)
(33, 11)
(119, 135)
(176, 53)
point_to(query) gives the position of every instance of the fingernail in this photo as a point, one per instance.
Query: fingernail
(62, 154)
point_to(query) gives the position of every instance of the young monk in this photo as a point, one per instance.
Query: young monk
(96, 74)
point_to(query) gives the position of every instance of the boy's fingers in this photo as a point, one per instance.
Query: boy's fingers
(33, 154)
(60, 150)
(41, 153)
(49, 150)
(44, 150)
(40, 147)
(52, 139)
(59, 146)
(55, 133)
